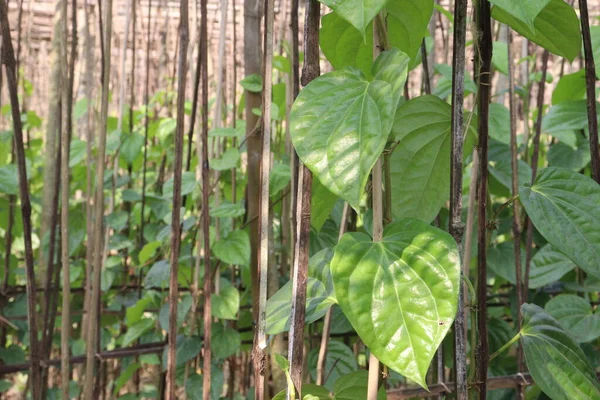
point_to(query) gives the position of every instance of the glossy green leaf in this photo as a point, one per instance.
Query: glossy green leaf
(547, 266)
(570, 87)
(525, 11)
(358, 13)
(124, 376)
(502, 171)
(252, 83)
(339, 361)
(371, 280)
(227, 210)
(575, 314)
(563, 205)
(419, 163)
(407, 22)
(233, 249)
(556, 363)
(343, 44)
(392, 67)
(339, 125)
(136, 330)
(556, 27)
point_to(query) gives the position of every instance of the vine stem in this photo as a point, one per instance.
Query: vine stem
(483, 68)
(310, 71)
(456, 227)
(506, 346)
(8, 59)
(176, 207)
(377, 177)
(260, 340)
(590, 83)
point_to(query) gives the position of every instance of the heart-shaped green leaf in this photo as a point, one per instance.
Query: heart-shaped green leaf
(339, 361)
(419, 163)
(556, 363)
(547, 266)
(340, 123)
(358, 12)
(575, 314)
(563, 206)
(343, 44)
(556, 28)
(525, 11)
(400, 294)
(407, 22)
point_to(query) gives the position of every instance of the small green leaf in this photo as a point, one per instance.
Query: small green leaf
(575, 314)
(252, 83)
(556, 27)
(359, 13)
(136, 330)
(158, 275)
(322, 203)
(225, 341)
(131, 147)
(354, 387)
(233, 249)
(225, 210)
(501, 261)
(339, 361)
(280, 177)
(188, 184)
(566, 116)
(226, 304)
(228, 160)
(148, 251)
(187, 349)
(8, 179)
(525, 11)
(134, 314)
(340, 123)
(500, 59)
(124, 376)
(563, 206)
(555, 361)
(547, 266)
(183, 307)
(403, 332)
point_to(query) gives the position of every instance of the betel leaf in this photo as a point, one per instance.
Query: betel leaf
(225, 341)
(501, 261)
(419, 163)
(354, 386)
(321, 204)
(392, 67)
(343, 44)
(339, 125)
(569, 87)
(556, 28)
(187, 349)
(595, 36)
(525, 11)
(566, 116)
(158, 275)
(574, 158)
(226, 303)
(8, 179)
(136, 330)
(339, 361)
(575, 314)
(359, 13)
(371, 281)
(188, 185)
(319, 295)
(233, 249)
(556, 363)
(563, 206)
(547, 266)
(407, 23)
(228, 160)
